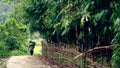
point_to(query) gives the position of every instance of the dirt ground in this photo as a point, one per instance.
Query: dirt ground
(27, 62)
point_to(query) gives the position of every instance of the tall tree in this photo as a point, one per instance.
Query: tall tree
(13, 34)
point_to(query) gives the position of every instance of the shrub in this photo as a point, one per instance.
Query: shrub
(116, 50)
(13, 36)
(4, 51)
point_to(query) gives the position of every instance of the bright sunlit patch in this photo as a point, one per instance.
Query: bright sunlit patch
(38, 50)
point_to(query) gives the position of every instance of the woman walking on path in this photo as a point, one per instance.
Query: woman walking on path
(31, 47)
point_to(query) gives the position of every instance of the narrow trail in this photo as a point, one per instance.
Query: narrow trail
(26, 62)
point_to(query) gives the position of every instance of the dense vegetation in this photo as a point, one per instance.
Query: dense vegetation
(13, 35)
(86, 23)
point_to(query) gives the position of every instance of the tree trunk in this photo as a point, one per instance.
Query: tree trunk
(76, 33)
(98, 41)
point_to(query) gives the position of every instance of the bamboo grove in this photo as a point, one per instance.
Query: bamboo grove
(86, 23)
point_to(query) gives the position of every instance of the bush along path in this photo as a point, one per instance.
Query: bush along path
(26, 62)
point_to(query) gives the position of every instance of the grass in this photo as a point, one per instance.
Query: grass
(38, 50)
(4, 64)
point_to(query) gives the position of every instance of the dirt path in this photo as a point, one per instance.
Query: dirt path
(26, 62)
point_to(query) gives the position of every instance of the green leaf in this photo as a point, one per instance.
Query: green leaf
(65, 31)
(101, 15)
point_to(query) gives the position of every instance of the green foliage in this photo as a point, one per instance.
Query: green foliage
(13, 35)
(116, 57)
(116, 52)
(116, 19)
(58, 19)
(4, 52)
